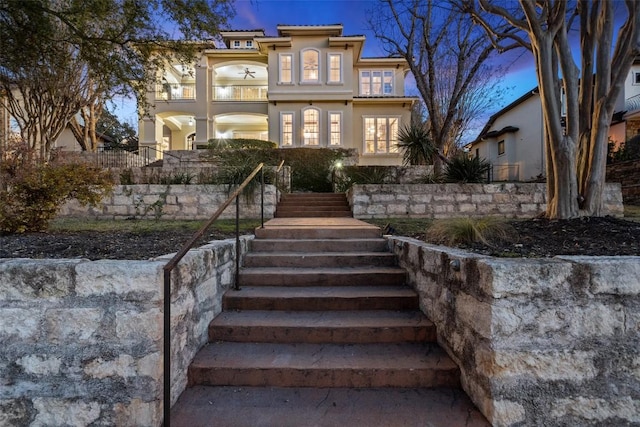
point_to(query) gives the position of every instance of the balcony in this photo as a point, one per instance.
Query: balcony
(240, 93)
(175, 91)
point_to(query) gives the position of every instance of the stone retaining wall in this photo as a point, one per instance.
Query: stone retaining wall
(628, 175)
(171, 202)
(540, 342)
(509, 200)
(82, 340)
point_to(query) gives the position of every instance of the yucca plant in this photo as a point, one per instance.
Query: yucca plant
(466, 169)
(417, 145)
(486, 230)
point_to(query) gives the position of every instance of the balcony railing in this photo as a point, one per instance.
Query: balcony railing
(175, 91)
(240, 93)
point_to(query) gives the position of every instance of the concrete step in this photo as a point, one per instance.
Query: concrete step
(203, 406)
(318, 259)
(321, 298)
(313, 196)
(313, 214)
(317, 228)
(355, 276)
(328, 204)
(312, 208)
(319, 245)
(410, 365)
(349, 327)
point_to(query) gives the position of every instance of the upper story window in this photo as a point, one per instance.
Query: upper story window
(311, 128)
(286, 129)
(236, 43)
(249, 43)
(310, 65)
(286, 70)
(335, 68)
(381, 135)
(500, 147)
(376, 82)
(636, 78)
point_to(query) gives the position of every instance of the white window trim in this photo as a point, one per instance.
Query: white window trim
(339, 81)
(248, 43)
(388, 142)
(319, 127)
(382, 71)
(636, 78)
(293, 128)
(280, 81)
(236, 44)
(329, 130)
(302, 79)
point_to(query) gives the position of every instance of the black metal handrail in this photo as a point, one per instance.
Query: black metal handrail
(168, 268)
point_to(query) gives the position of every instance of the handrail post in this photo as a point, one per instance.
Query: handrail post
(237, 284)
(262, 197)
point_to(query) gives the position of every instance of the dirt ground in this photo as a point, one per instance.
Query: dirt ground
(536, 238)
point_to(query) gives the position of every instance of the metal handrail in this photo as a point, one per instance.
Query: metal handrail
(277, 180)
(168, 268)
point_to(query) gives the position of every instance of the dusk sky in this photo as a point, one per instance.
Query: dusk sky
(352, 14)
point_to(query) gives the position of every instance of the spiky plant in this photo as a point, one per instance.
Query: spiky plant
(466, 169)
(417, 145)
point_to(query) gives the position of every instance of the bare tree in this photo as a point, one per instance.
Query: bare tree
(448, 58)
(585, 92)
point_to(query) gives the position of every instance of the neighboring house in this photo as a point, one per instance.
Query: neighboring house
(309, 86)
(512, 140)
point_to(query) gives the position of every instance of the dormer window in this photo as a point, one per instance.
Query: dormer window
(310, 66)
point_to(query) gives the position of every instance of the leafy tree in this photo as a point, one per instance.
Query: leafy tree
(576, 150)
(448, 58)
(60, 56)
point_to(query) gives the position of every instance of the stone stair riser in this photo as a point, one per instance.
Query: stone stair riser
(321, 304)
(315, 245)
(318, 260)
(309, 278)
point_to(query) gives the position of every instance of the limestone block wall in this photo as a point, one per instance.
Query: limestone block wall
(82, 340)
(628, 175)
(509, 200)
(540, 342)
(171, 202)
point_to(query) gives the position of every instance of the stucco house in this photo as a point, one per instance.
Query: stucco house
(309, 86)
(512, 140)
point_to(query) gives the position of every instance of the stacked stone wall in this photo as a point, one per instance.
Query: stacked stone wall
(171, 202)
(628, 175)
(540, 342)
(509, 200)
(82, 340)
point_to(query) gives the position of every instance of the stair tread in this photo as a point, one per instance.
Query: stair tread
(324, 407)
(323, 319)
(393, 356)
(321, 291)
(329, 270)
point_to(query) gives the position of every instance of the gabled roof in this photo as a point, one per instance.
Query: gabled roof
(485, 133)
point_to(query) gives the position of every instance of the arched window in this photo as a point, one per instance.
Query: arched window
(310, 65)
(311, 127)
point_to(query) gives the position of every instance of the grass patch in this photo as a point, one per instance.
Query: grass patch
(632, 212)
(411, 227)
(142, 226)
(485, 230)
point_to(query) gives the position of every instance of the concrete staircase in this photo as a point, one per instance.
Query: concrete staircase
(313, 205)
(324, 332)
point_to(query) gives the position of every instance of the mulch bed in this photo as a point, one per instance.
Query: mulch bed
(536, 238)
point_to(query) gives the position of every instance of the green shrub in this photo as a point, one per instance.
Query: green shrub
(429, 178)
(470, 230)
(32, 191)
(350, 175)
(178, 178)
(312, 168)
(239, 144)
(464, 169)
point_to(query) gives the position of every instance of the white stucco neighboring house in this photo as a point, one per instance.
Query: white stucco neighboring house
(512, 140)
